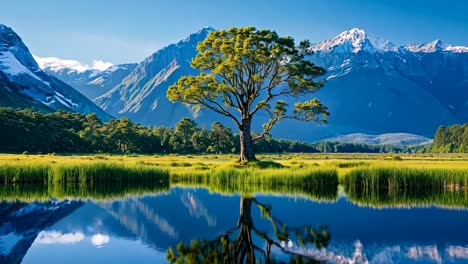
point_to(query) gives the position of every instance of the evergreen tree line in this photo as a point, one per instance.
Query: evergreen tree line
(451, 139)
(65, 132)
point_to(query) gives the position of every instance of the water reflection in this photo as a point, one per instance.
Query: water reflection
(263, 227)
(21, 223)
(247, 243)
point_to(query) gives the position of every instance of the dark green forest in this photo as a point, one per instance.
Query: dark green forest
(451, 139)
(65, 132)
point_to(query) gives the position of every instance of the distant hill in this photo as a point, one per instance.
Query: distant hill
(397, 139)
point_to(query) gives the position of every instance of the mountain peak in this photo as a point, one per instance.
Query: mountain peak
(354, 33)
(4, 28)
(206, 29)
(436, 45)
(198, 36)
(352, 40)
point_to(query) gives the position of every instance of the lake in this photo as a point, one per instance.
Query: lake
(262, 226)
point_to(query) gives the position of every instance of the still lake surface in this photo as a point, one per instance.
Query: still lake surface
(140, 229)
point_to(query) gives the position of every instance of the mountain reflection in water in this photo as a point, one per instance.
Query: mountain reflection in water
(261, 226)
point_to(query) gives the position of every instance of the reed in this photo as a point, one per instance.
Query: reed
(406, 178)
(295, 177)
(80, 173)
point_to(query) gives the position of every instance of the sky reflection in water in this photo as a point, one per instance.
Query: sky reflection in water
(142, 228)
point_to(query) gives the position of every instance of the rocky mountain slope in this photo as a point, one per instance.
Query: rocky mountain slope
(141, 96)
(24, 84)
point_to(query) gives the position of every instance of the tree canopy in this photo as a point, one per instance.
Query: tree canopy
(244, 71)
(451, 139)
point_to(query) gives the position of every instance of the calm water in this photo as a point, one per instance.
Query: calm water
(140, 229)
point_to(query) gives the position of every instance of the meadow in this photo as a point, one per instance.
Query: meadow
(379, 179)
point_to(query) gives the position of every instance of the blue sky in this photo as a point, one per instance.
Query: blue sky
(122, 31)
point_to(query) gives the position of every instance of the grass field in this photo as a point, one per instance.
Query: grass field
(372, 179)
(193, 164)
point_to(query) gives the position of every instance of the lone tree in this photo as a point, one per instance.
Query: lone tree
(244, 71)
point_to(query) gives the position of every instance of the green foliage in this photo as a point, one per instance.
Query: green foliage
(27, 131)
(319, 183)
(244, 71)
(406, 178)
(452, 139)
(95, 173)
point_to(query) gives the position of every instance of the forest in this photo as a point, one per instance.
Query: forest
(451, 139)
(26, 130)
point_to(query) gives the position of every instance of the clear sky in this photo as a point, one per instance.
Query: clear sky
(122, 31)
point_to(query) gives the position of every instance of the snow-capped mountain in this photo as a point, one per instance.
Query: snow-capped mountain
(27, 85)
(354, 41)
(376, 87)
(435, 46)
(92, 81)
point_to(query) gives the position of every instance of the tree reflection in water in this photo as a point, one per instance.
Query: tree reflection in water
(238, 246)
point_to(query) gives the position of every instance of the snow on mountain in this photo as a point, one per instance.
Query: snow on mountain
(10, 65)
(57, 64)
(410, 89)
(91, 81)
(26, 85)
(435, 46)
(354, 40)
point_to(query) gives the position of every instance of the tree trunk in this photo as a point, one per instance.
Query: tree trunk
(246, 248)
(246, 144)
(245, 216)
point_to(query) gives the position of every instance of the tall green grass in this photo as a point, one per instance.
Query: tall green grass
(316, 184)
(80, 173)
(305, 177)
(406, 178)
(395, 187)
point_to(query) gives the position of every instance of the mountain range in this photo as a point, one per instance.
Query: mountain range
(373, 86)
